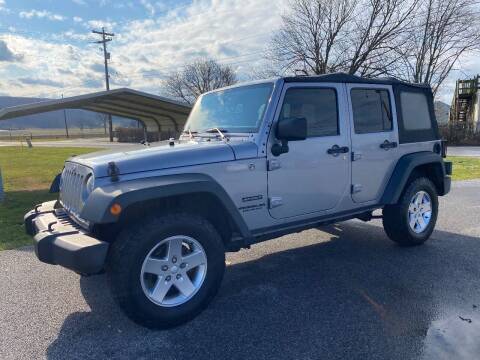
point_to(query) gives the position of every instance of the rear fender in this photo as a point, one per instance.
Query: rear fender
(406, 165)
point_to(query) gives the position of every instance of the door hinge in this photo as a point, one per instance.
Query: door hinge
(273, 165)
(356, 188)
(356, 156)
(275, 201)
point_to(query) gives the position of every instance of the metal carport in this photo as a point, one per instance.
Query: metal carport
(156, 113)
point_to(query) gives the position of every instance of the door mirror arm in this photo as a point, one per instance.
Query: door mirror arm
(279, 149)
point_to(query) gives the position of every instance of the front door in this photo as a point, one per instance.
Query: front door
(315, 173)
(374, 139)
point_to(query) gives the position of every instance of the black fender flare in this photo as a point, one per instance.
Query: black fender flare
(404, 168)
(97, 207)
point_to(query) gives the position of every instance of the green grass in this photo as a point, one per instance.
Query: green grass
(465, 168)
(27, 175)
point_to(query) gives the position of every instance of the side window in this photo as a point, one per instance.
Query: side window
(415, 111)
(318, 106)
(372, 111)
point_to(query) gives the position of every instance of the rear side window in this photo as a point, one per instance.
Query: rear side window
(415, 111)
(318, 106)
(415, 114)
(372, 111)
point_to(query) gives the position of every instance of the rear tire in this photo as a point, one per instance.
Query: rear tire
(411, 221)
(165, 270)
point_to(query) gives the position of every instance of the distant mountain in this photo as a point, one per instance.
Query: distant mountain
(55, 119)
(442, 112)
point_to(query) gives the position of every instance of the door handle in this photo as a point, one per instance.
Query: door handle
(387, 145)
(335, 150)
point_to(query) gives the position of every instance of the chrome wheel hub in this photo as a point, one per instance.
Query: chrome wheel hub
(419, 212)
(173, 271)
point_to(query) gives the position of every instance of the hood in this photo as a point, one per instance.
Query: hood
(158, 156)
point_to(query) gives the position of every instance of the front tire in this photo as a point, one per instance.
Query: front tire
(411, 221)
(165, 270)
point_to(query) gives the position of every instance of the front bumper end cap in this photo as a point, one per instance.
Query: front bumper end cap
(40, 209)
(59, 241)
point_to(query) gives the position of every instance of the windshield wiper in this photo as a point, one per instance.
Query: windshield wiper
(217, 130)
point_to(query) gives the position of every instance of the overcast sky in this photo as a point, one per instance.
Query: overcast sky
(46, 47)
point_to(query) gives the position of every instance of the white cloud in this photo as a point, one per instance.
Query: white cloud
(144, 51)
(77, 19)
(41, 14)
(75, 36)
(148, 6)
(40, 81)
(98, 24)
(7, 55)
(80, 2)
(235, 32)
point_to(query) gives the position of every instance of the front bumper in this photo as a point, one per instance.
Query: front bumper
(60, 241)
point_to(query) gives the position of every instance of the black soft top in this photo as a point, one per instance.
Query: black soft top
(346, 78)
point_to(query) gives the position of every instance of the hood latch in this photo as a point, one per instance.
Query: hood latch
(113, 171)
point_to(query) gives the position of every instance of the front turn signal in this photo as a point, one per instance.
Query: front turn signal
(115, 209)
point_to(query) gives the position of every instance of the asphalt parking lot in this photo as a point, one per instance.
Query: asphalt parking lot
(342, 292)
(105, 143)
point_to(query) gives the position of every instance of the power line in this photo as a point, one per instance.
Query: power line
(106, 37)
(146, 76)
(159, 70)
(178, 67)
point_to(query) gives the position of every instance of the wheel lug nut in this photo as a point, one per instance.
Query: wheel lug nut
(174, 259)
(168, 278)
(179, 276)
(164, 268)
(182, 265)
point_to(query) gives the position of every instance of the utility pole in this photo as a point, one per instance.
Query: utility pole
(106, 56)
(65, 119)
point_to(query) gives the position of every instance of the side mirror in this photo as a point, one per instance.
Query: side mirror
(289, 129)
(292, 129)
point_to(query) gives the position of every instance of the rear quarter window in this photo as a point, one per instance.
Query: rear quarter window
(415, 114)
(415, 111)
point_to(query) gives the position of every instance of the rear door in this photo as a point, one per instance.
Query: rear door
(374, 139)
(311, 177)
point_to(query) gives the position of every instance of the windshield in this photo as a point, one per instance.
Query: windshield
(236, 110)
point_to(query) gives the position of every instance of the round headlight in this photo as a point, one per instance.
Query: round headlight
(88, 187)
(60, 184)
(90, 184)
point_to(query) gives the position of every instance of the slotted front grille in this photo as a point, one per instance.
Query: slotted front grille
(72, 187)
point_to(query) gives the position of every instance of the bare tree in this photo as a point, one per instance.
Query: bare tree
(444, 31)
(309, 37)
(418, 41)
(353, 36)
(378, 29)
(199, 77)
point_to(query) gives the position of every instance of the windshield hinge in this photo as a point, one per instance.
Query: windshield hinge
(273, 165)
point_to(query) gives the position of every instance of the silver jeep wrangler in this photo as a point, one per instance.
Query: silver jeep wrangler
(254, 162)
